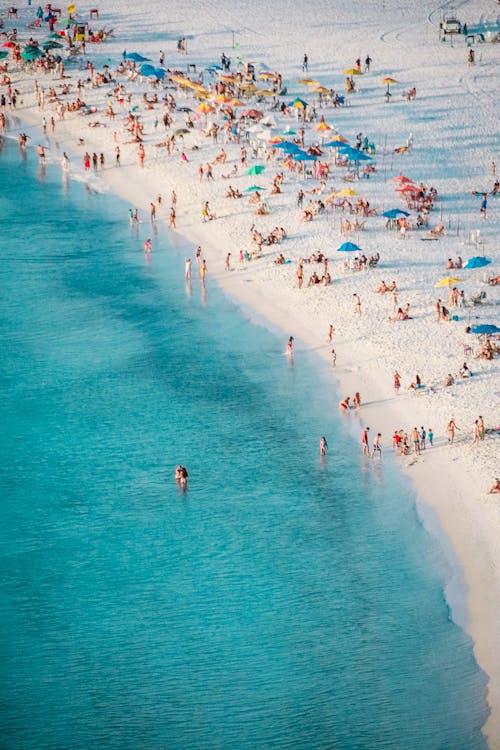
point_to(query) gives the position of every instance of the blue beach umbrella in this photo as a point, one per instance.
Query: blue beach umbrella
(349, 247)
(160, 73)
(353, 154)
(477, 262)
(485, 328)
(148, 70)
(393, 213)
(298, 103)
(136, 57)
(303, 156)
(286, 146)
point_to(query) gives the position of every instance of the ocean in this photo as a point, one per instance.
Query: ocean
(282, 601)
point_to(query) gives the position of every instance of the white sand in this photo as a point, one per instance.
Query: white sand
(454, 122)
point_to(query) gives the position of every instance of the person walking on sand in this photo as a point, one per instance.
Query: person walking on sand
(171, 220)
(153, 211)
(357, 304)
(300, 275)
(141, 155)
(484, 204)
(227, 265)
(323, 446)
(376, 445)
(117, 156)
(423, 436)
(415, 438)
(331, 331)
(305, 63)
(365, 441)
(187, 269)
(482, 429)
(397, 382)
(450, 429)
(430, 436)
(356, 401)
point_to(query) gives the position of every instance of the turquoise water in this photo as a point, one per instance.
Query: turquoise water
(279, 603)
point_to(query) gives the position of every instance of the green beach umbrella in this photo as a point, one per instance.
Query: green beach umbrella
(254, 189)
(256, 169)
(3, 54)
(52, 45)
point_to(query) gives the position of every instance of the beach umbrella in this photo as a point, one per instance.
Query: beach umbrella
(477, 262)
(267, 74)
(298, 103)
(352, 72)
(3, 54)
(184, 109)
(147, 70)
(321, 90)
(400, 178)
(308, 81)
(256, 169)
(264, 92)
(160, 73)
(254, 189)
(253, 114)
(9, 44)
(181, 132)
(136, 57)
(393, 213)
(322, 127)
(336, 141)
(289, 131)
(346, 193)
(204, 108)
(68, 22)
(388, 80)
(287, 146)
(304, 156)
(483, 328)
(52, 45)
(31, 54)
(349, 247)
(448, 281)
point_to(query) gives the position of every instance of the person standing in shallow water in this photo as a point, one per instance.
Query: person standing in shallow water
(323, 446)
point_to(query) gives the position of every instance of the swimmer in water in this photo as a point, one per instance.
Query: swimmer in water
(181, 474)
(323, 446)
(147, 246)
(289, 346)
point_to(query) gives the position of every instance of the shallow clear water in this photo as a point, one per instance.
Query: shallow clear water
(279, 602)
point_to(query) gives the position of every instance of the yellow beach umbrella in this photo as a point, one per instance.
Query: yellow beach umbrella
(307, 81)
(236, 103)
(448, 281)
(322, 127)
(387, 80)
(266, 92)
(321, 90)
(267, 74)
(346, 192)
(338, 138)
(352, 72)
(330, 197)
(205, 108)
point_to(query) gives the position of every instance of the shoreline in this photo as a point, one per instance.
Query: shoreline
(453, 494)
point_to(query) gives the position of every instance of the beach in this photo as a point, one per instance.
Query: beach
(445, 138)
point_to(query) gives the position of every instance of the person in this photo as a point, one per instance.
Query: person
(450, 429)
(181, 475)
(484, 204)
(228, 261)
(376, 445)
(147, 246)
(422, 437)
(365, 442)
(153, 211)
(449, 380)
(300, 275)
(482, 429)
(356, 401)
(368, 61)
(495, 487)
(464, 371)
(415, 437)
(305, 63)
(323, 446)
(203, 271)
(187, 269)
(357, 304)
(334, 357)
(430, 435)
(471, 57)
(117, 156)
(331, 331)
(344, 405)
(289, 346)
(397, 382)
